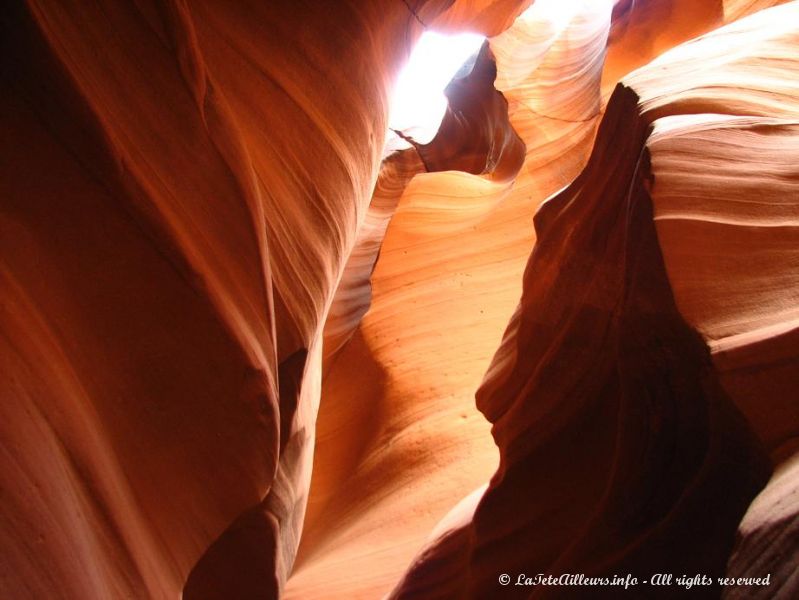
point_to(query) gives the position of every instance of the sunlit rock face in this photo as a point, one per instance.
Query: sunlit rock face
(557, 336)
(638, 238)
(181, 188)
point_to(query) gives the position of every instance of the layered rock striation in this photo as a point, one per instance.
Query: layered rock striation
(200, 241)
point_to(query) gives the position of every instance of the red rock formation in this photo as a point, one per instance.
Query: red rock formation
(164, 299)
(475, 137)
(547, 377)
(192, 207)
(158, 284)
(610, 423)
(767, 539)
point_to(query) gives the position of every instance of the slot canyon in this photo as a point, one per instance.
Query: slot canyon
(259, 341)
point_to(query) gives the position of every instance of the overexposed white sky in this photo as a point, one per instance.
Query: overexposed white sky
(417, 101)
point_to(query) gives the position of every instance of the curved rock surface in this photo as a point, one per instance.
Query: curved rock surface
(445, 284)
(200, 240)
(163, 302)
(570, 371)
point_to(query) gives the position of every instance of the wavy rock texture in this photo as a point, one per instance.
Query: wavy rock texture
(768, 536)
(550, 71)
(475, 137)
(404, 431)
(735, 9)
(549, 68)
(644, 30)
(730, 214)
(195, 217)
(445, 284)
(570, 361)
(608, 419)
(353, 294)
(163, 301)
(726, 207)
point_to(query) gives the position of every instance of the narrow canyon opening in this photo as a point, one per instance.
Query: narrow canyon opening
(398, 432)
(417, 101)
(535, 313)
